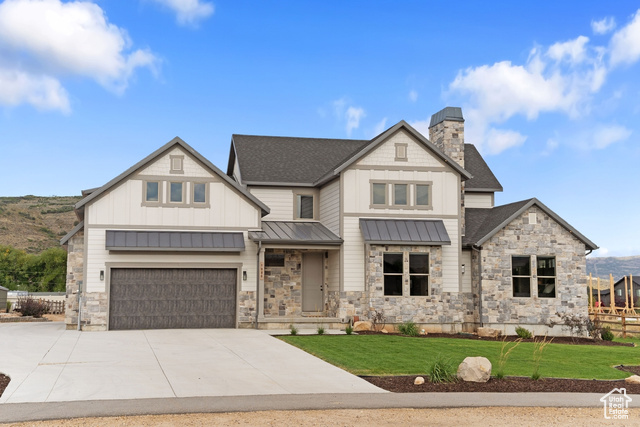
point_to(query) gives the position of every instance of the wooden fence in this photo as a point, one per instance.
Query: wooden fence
(596, 305)
(620, 324)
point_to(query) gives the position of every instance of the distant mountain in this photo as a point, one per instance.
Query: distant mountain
(618, 266)
(35, 223)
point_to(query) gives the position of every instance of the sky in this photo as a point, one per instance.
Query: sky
(549, 90)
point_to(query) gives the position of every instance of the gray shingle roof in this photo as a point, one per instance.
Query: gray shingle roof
(119, 240)
(307, 233)
(270, 159)
(482, 224)
(404, 231)
(483, 179)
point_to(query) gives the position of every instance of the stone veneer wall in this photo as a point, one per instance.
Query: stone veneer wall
(94, 311)
(283, 286)
(75, 273)
(545, 237)
(246, 308)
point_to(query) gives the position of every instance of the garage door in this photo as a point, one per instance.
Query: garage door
(172, 298)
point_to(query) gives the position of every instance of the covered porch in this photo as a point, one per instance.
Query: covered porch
(298, 270)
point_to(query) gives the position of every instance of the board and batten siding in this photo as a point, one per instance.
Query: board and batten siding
(99, 257)
(330, 206)
(333, 273)
(421, 166)
(478, 200)
(279, 200)
(466, 276)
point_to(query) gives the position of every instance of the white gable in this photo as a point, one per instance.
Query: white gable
(416, 153)
(162, 166)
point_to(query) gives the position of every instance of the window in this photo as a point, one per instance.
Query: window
(304, 206)
(400, 194)
(152, 193)
(273, 260)
(419, 274)
(521, 276)
(546, 277)
(392, 271)
(177, 164)
(401, 152)
(175, 195)
(379, 194)
(199, 193)
(422, 195)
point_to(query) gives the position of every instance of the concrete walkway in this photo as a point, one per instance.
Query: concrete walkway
(46, 363)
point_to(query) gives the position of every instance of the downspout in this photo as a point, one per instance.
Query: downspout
(79, 306)
(477, 249)
(258, 282)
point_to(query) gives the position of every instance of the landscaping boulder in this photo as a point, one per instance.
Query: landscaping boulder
(633, 379)
(363, 325)
(475, 369)
(489, 332)
(419, 381)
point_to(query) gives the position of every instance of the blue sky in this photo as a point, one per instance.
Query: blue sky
(549, 90)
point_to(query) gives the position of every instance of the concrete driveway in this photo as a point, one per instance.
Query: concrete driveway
(46, 363)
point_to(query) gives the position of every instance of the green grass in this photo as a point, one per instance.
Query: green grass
(394, 355)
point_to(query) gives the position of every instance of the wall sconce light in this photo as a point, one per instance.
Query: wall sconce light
(101, 275)
(244, 275)
(463, 269)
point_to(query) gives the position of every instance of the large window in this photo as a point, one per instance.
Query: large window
(175, 192)
(419, 274)
(152, 192)
(400, 194)
(304, 206)
(199, 193)
(546, 270)
(379, 194)
(393, 271)
(521, 276)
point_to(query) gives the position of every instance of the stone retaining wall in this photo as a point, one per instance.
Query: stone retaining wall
(75, 277)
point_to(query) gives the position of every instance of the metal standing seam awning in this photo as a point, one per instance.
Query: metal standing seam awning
(295, 233)
(430, 232)
(176, 241)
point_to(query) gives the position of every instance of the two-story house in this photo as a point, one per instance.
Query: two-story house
(311, 231)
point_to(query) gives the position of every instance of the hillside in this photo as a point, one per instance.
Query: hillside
(35, 223)
(618, 266)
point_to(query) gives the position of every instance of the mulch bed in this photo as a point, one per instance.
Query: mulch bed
(511, 338)
(4, 382)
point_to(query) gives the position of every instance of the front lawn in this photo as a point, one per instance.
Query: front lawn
(398, 355)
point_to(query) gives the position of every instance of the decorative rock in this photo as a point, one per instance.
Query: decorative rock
(384, 331)
(475, 369)
(363, 325)
(423, 332)
(633, 379)
(418, 381)
(489, 332)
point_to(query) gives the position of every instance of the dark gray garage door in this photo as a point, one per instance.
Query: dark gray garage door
(172, 298)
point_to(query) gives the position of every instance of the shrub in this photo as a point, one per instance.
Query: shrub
(32, 307)
(8, 306)
(523, 333)
(538, 348)
(505, 351)
(293, 330)
(320, 330)
(441, 370)
(378, 320)
(409, 328)
(349, 329)
(606, 334)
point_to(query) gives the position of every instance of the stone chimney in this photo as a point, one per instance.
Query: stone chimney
(446, 131)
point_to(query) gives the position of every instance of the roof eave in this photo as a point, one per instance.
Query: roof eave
(407, 243)
(482, 190)
(298, 242)
(72, 233)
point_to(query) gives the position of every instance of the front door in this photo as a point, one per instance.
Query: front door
(312, 282)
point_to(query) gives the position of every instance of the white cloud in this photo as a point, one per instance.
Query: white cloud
(43, 41)
(603, 136)
(188, 12)
(413, 96)
(625, 43)
(500, 140)
(380, 127)
(42, 92)
(354, 115)
(552, 145)
(573, 50)
(604, 25)
(422, 126)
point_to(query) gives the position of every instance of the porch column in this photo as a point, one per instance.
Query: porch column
(260, 286)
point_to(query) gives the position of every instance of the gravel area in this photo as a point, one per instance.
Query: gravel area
(491, 416)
